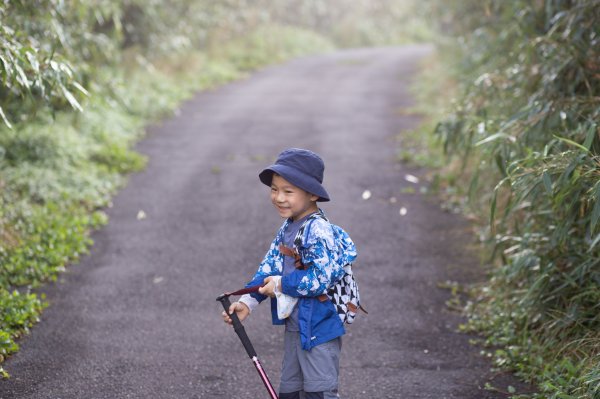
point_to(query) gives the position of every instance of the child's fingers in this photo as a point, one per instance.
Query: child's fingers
(239, 308)
(226, 318)
(267, 279)
(265, 289)
(269, 287)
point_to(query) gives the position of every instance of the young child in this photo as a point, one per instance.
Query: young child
(313, 330)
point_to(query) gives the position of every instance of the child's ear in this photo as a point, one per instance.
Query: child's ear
(314, 198)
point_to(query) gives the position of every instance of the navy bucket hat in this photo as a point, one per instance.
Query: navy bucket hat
(302, 168)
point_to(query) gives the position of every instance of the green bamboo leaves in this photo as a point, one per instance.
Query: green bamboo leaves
(33, 73)
(530, 73)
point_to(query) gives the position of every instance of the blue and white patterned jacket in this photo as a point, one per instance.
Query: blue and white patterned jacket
(325, 249)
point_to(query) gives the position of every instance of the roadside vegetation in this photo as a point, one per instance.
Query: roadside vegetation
(80, 80)
(519, 124)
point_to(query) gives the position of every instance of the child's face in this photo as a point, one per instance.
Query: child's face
(291, 201)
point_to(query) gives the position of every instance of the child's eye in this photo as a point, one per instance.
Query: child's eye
(289, 192)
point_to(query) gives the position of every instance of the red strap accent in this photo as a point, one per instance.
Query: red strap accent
(287, 251)
(352, 307)
(246, 290)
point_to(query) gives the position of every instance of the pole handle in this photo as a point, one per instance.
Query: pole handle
(238, 326)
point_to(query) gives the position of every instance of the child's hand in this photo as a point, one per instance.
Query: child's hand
(241, 309)
(270, 284)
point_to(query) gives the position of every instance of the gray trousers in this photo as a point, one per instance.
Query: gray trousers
(309, 374)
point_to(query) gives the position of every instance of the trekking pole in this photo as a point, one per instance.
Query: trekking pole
(241, 332)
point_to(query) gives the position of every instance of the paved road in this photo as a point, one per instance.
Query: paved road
(138, 317)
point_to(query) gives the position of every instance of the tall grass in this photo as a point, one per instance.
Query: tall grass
(525, 127)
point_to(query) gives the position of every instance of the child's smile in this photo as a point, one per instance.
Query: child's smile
(291, 201)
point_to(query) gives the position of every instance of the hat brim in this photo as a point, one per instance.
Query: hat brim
(297, 178)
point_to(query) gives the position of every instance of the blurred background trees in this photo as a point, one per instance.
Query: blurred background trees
(52, 50)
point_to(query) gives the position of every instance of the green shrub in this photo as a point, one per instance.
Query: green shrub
(17, 312)
(525, 126)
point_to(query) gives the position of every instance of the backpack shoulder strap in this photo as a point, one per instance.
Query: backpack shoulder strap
(299, 239)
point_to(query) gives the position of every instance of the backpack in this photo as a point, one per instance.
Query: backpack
(344, 293)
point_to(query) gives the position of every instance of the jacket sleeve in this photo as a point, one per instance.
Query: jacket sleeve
(321, 260)
(270, 266)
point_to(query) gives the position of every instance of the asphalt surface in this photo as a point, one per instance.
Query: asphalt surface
(137, 318)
